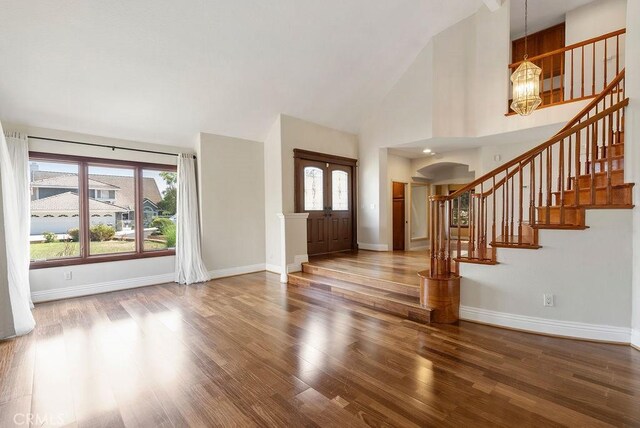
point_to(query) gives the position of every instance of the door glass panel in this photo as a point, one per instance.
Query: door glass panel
(340, 190)
(313, 189)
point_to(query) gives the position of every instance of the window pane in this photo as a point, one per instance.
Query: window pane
(313, 189)
(159, 195)
(340, 190)
(55, 210)
(112, 211)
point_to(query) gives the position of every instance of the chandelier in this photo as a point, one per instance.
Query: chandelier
(526, 81)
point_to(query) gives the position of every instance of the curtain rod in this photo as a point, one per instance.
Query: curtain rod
(103, 146)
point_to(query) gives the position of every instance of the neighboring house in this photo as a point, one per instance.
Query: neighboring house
(55, 201)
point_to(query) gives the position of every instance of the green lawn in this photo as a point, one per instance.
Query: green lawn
(56, 250)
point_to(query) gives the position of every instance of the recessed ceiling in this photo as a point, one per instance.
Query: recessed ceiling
(444, 145)
(542, 14)
(163, 71)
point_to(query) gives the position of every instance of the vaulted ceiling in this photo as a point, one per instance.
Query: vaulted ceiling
(164, 70)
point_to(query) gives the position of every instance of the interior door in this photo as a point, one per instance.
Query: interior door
(398, 216)
(325, 190)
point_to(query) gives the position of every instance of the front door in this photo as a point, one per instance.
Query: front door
(325, 190)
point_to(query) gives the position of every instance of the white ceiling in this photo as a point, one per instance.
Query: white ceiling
(164, 70)
(542, 14)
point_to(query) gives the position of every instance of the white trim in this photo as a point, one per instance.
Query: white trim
(272, 268)
(293, 215)
(373, 247)
(635, 338)
(296, 266)
(100, 287)
(542, 325)
(238, 270)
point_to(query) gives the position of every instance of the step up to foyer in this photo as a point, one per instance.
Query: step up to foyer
(387, 282)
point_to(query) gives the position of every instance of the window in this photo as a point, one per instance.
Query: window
(159, 197)
(85, 210)
(340, 190)
(463, 212)
(313, 189)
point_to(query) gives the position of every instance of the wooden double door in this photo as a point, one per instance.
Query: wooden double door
(325, 188)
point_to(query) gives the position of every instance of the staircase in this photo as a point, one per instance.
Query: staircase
(549, 187)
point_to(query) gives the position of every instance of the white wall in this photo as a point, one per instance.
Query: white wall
(632, 150)
(273, 193)
(49, 283)
(232, 203)
(590, 278)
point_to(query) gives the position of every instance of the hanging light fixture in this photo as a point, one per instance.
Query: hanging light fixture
(526, 81)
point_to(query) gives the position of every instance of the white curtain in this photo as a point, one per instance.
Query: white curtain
(189, 265)
(15, 292)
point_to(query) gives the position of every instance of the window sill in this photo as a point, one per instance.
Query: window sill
(99, 259)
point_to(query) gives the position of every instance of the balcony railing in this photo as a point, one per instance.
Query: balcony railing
(578, 71)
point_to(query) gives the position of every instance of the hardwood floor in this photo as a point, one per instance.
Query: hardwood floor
(247, 351)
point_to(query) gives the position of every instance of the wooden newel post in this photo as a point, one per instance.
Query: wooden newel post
(440, 286)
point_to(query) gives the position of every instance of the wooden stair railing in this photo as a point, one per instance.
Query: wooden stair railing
(548, 187)
(575, 72)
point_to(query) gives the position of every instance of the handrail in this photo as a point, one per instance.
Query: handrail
(538, 149)
(571, 47)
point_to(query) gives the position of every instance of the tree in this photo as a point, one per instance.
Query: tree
(170, 194)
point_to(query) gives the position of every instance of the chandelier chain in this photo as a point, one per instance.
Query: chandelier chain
(526, 11)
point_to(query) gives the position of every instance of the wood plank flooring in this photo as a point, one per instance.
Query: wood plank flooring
(246, 351)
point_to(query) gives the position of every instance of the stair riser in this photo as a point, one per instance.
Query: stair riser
(600, 180)
(381, 284)
(614, 150)
(395, 308)
(602, 165)
(572, 216)
(619, 196)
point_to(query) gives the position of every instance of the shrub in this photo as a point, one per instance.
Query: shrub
(50, 237)
(170, 234)
(161, 224)
(102, 232)
(74, 234)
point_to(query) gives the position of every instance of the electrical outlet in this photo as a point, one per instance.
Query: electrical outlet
(549, 299)
(68, 275)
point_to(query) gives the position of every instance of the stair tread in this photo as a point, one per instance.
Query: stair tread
(373, 271)
(514, 241)
(478, 255)
(360, 289)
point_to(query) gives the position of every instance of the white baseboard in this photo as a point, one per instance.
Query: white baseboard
(273, 268)
(99, 287)
(373, 247)
(635, 339)
(239, 270)
(546, 326)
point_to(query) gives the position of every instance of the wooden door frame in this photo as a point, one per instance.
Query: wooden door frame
(300, 154)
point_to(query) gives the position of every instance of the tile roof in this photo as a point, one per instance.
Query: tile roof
(125, 194)
(70, 202)
(70, 181)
